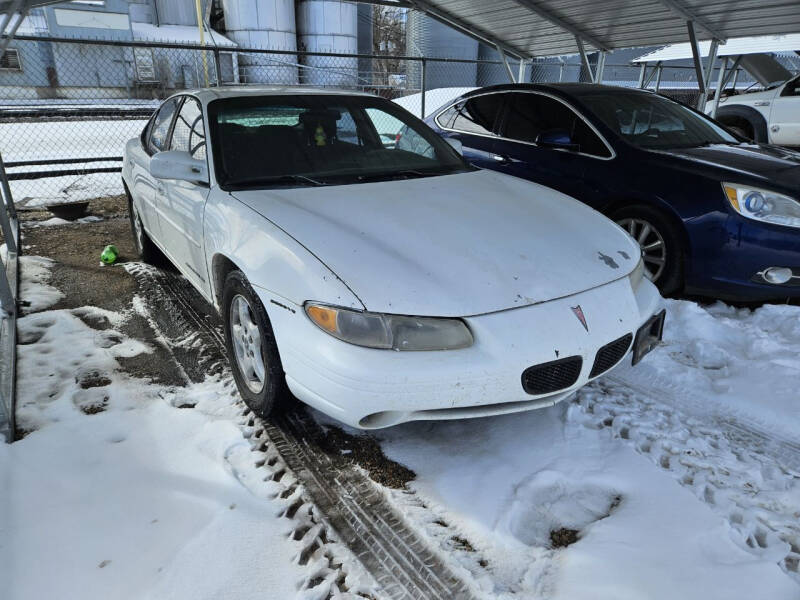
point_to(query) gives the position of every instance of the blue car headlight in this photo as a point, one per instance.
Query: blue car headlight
(763, 205)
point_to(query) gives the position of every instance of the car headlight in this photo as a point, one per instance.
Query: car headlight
(637, 275)
(395, 332)
(763, 205)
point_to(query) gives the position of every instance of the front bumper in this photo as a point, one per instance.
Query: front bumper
(729, 252)
(368, 388)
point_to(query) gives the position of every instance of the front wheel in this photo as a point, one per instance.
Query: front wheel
(660, 242)
(252, 350)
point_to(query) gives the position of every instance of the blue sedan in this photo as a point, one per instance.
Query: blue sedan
(714, 215)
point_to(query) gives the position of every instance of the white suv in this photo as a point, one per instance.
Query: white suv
(769, 116)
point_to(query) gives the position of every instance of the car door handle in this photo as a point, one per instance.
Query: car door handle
(500, 159)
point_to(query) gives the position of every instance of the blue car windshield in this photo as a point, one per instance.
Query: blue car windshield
(651, 121)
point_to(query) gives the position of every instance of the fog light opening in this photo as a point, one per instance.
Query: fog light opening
(777, 275)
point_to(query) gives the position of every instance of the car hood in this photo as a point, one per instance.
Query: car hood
(453, 245)
(770, 164)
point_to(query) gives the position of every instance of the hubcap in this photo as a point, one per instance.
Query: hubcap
(654, 251)
(246, 339)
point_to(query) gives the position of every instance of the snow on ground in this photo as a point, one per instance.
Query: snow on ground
(118, 492)
(734, 361)
(505, 483)
(34, 290)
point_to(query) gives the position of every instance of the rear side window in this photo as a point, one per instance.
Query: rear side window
(476, 115)
(160, 128)
(530, 115)
(189, 134)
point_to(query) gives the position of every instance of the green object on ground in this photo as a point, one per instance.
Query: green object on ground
(109, 254)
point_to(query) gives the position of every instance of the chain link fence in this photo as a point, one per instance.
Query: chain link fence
(67, 107)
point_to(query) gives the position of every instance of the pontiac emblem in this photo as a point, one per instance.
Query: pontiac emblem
(578, 311)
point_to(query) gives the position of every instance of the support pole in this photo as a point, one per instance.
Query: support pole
(698, 62)
(659, 69)
(7, 210)
(218, 66)
(506, 65)
(642, 73)
(712, 57)
(720, 84)
(521, 72)
(584, 58)
(601, 67)
(423, 86)
(201, 28)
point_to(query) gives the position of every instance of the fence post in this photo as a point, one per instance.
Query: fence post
(217, 66)
(8, 212)
(423, 86)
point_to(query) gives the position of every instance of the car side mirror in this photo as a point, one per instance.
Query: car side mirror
(178, 164)
(556, 138)
(456, 144)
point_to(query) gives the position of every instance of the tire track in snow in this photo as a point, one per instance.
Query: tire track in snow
(748, 478)
(329, 498)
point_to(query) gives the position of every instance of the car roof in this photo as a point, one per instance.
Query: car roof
(206, 95)
(566, 89)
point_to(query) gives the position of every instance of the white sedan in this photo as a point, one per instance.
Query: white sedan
(376, 283)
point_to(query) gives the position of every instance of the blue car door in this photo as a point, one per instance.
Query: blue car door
(473, 121)
(543, 139)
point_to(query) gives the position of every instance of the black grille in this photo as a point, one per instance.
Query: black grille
(553, 376)
(610, 354)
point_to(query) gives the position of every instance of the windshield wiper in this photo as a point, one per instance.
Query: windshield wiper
(278, 179)
(707, 143)
(403, 174)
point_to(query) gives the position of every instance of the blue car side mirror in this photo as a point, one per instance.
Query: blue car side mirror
(556, 138)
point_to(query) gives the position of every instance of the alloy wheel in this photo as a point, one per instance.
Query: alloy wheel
(650, 240)
(246, 338)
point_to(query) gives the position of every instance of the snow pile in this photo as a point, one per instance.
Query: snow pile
(735, 362)
(34, 291)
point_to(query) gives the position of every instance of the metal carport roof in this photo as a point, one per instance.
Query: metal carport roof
(733, 47)
(529, 28)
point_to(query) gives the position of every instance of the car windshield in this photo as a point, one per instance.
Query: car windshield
(316, 139)
(651, 121)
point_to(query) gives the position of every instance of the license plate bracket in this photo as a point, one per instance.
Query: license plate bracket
(648, 336)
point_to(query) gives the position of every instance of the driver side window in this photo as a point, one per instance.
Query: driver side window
(530, 115)
(161, 124)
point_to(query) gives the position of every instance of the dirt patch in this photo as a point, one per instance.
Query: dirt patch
(106, 208)
(92, 379)
(85, 281)
(364, 451)
(561, 538)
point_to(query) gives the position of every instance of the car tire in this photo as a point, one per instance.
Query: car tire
(651, 227)
(145, 247)
(263, 389)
